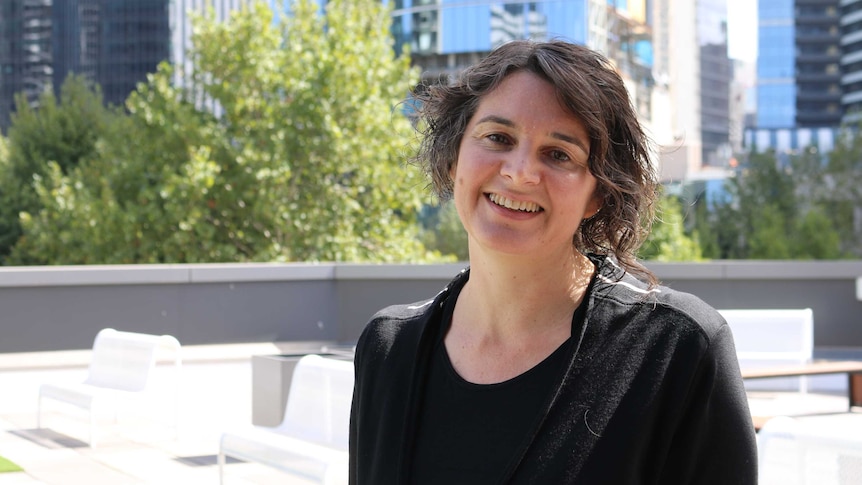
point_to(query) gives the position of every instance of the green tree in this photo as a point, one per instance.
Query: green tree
(5, 221)
(301, 159)
(668, 240)
(64, 131)
(773, 211)
(767, 239)
(815, 237)
(442, 231)
(702, 227)
(842, 181)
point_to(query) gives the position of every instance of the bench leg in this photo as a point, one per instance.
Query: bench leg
(39, 412)
(221, 463)
(92, 435)
(854, 387)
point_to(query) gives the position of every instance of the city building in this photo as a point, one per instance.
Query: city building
(676, 125)
(802, 96)
(115, 43)
(445, 36)
(25, 53)
(716, 72)
(851, 60)
(672, 54)
(181, 13)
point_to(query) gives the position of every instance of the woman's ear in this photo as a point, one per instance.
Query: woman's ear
(593, 207)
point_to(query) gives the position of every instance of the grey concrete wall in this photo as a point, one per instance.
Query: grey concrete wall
(57, 308)
(362, 290)
(828, 288)
(62, 308)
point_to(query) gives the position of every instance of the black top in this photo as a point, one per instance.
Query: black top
(469, 433)
(650, 395)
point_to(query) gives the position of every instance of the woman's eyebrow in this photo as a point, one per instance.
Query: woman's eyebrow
(571, 139)
(496, 119)
(560, 136)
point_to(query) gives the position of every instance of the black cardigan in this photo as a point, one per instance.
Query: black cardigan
(652, 395)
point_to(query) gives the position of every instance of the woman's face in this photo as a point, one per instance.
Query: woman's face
(521, 182)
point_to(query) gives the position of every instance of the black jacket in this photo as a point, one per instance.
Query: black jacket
(652, 395)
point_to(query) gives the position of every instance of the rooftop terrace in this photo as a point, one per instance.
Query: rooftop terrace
(215, 396)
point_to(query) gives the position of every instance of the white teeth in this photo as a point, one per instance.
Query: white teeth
(511, 204)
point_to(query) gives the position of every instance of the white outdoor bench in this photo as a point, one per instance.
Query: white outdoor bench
(823, 449)
(311, 441)
(770, 338)
(121, 366)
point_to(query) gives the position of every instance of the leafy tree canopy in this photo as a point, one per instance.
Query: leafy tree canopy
(285, 143)
(773, 210)
(842, 197)
(668, 240)
(64, 131)
(443, 232)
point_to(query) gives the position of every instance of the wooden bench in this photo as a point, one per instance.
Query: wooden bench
(853, 369)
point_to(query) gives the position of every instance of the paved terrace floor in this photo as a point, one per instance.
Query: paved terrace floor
(142, 446)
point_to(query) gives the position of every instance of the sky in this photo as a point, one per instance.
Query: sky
(742, 29)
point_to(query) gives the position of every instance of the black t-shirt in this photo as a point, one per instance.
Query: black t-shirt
(470, 433)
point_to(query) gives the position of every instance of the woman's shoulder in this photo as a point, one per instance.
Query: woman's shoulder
(398, 318)
(395, 319)
(692, 309)
(408, 320)
(657, 305)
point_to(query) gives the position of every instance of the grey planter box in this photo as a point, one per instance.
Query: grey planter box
(270, 383)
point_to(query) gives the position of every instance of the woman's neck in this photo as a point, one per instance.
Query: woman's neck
(508, 294)
(512, 314)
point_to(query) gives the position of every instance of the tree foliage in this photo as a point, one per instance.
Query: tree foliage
(442, 231)
(773, 209)
(841, 199)
(668, 240)
(286, 142)
(64, 131)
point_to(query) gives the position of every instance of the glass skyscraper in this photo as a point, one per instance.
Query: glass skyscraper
(851, 60)
(804, 70)
(115, 43)
(446, 35)
(798, 68)
(776, 84)
(25, 53)
(715, 74)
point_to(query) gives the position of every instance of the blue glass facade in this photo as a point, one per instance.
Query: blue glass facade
(453, 27)
(465, 29)
(776, 91)
(786, 141)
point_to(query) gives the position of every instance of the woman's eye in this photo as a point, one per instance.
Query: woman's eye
(560, 156)
(497, 138)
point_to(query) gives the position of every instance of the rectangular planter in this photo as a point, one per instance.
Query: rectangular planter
(270, 383)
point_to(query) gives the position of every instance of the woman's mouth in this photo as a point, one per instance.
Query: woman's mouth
(513, 204)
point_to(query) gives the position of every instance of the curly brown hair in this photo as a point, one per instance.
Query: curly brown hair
(589, 87)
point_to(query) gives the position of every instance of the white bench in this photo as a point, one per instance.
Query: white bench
(770, 338)
(311, 441)
(823, 449)
(121, 366)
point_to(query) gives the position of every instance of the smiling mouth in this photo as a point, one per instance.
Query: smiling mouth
(514, 205)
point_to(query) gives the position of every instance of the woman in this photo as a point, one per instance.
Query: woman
(547, 362)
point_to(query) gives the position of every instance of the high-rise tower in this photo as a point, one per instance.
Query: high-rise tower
(800, 88)
(25, 53)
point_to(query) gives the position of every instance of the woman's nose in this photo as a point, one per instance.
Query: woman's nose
(521, 167)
